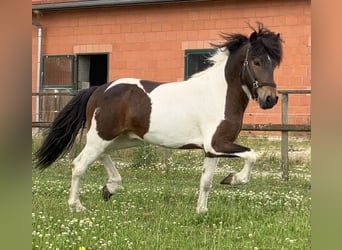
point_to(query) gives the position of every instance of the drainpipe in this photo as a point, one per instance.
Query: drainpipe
(39, 57)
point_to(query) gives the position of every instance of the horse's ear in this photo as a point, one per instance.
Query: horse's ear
(253, 36)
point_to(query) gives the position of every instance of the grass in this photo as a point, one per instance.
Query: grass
(156, 207)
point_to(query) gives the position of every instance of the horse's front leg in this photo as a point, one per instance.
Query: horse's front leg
(222, 145)
(243, 176)
(209, 167)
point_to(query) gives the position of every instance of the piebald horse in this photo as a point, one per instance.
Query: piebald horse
(204, 112)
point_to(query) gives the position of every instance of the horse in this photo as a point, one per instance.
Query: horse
(204, 112)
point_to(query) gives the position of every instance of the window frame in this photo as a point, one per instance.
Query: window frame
(60, 86)
(188, 52)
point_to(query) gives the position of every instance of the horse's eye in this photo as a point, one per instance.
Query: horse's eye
(256, 62)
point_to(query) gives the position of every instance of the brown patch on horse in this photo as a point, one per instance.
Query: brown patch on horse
(149, 86)
(236, 103)
(92, 103)
(191, 146)
(124, 107)
(236, 98)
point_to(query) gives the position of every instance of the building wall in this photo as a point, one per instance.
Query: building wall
(149, 41)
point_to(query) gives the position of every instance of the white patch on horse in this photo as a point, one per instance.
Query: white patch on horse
(114, 178)
(134, 81)
(189, 112)
(243, 176)
(209, 167)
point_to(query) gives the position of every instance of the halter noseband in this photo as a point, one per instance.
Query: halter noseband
(255, 83)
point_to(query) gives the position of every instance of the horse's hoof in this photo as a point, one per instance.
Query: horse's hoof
(229, 179)
(105, 193)
(80, 209)
(77, 207)
(201, 210)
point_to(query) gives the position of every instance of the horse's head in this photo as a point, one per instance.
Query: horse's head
(252, 61)
(263, 53)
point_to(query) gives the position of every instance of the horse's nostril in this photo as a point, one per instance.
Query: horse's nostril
(271, 100)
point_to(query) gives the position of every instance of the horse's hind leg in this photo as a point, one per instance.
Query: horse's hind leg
(79, 165)
(114, 178)
(94, 147)
(209, 167)
(243, 176)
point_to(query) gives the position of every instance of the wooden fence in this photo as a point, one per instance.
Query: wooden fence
(284, 127)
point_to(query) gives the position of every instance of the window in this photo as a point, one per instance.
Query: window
(58, 71)
(196, 61)
(92, 69)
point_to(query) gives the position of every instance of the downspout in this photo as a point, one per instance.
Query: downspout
(39, 56)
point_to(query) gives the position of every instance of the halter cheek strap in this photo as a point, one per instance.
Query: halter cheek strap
(255, 83)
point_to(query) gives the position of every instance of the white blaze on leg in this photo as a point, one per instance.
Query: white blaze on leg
(94, 147)
(80, 165)
(114, 178)
(209, 167)
(243, 176)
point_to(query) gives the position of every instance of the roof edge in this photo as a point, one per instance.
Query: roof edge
(102, 3)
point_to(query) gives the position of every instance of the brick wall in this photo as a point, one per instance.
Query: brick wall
(149, 41)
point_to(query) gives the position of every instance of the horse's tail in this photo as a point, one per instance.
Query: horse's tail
(64, 129)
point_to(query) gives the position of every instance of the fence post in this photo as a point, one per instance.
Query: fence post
(284, 137)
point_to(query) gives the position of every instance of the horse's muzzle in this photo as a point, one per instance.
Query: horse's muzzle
(268, 102)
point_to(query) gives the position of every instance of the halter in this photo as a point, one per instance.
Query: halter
(255, 83)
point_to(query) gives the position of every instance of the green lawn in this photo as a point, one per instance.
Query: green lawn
(156, 207)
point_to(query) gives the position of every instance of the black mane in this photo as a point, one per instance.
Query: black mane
(262, 40)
